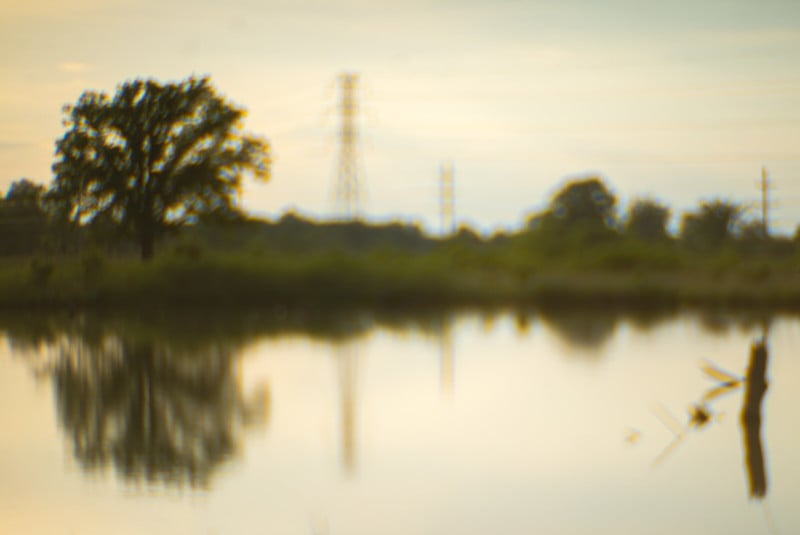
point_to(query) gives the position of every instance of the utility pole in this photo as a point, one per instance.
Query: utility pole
(347, 193)
(447, 199)
(765, 187)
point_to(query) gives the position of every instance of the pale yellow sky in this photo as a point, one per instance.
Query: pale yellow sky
(679, 100)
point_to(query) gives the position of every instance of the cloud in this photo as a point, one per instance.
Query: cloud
(74, 67)
(15, 145)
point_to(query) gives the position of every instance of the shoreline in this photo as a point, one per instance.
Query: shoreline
(342, 281)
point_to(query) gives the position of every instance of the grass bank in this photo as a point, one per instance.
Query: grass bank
(389, 278)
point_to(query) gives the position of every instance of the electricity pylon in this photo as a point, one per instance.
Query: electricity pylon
(348, 194)
(447, 199)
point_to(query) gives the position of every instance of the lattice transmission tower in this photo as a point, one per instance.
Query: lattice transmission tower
(348, 188)
(447, 199)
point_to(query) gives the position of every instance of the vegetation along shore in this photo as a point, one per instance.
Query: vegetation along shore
(142, 211)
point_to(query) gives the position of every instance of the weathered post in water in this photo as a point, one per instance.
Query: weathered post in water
(755, 388)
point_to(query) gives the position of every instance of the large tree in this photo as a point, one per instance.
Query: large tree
(153, 157)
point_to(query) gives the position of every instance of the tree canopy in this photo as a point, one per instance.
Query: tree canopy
(23, 220)
(584, 202)
(24, 192)
(153, 156)
(715, 222)
(647, 220)
(582, 211)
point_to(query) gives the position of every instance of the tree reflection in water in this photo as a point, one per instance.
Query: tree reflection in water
(156, 410)
(580, 328)
(156, 394)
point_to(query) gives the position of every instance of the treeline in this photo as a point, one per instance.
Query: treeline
(293, 234)
(581, 220)
(33, 223)
(578, 250)
(588, 205)
(152, 172)
(30, 224)
(24, 223)
(583, 217)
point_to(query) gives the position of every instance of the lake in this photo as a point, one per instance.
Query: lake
(436, 422)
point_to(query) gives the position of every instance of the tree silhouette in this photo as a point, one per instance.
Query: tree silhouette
(713, 224)
(581, 214)
(24, 192)
(153, 157)
(647, 220)
(584, 202)
(23, 220)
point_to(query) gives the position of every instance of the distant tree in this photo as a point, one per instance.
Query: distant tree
(715, 222)
(586, 202)
(23, 221)
(536, 220)
(24, 192)
(751, 231)
(647, 220)
(465, 235)
(153, 157)
(751, 240)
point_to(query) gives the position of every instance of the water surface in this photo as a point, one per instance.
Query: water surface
(358, 423)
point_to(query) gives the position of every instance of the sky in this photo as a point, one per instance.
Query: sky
(680, 100)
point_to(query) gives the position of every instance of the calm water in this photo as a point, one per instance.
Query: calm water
(280, 422)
